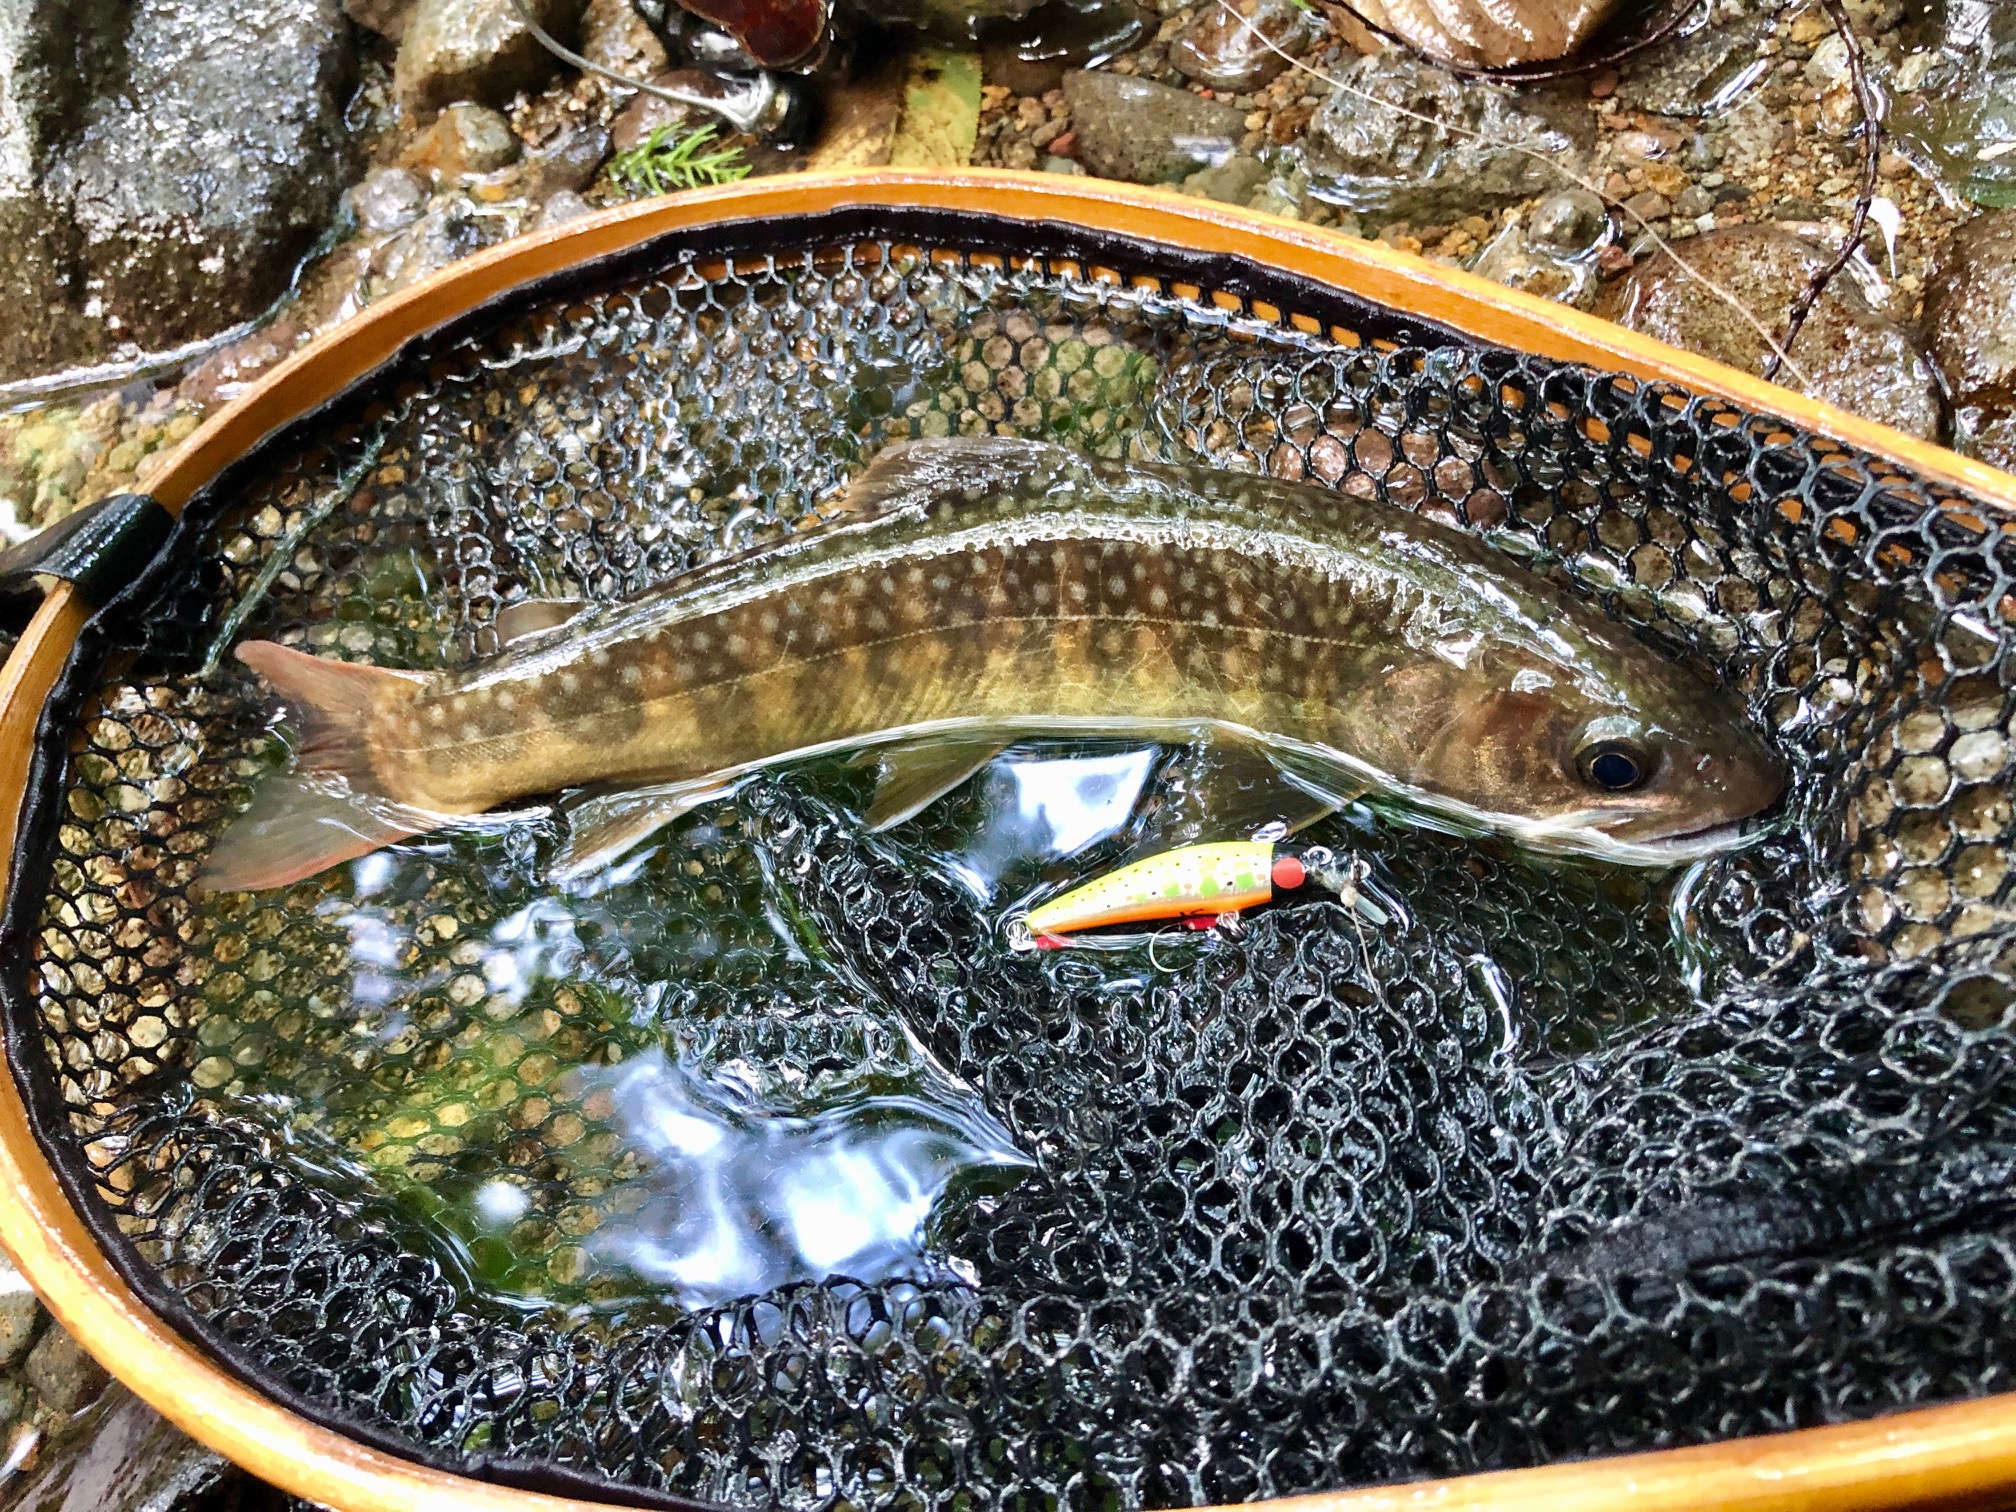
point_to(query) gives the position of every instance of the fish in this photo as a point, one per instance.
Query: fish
(1201, 885)
(963, 594)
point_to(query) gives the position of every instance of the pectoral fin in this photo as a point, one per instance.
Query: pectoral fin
(602, 827)
(534, 617)
(914, 776)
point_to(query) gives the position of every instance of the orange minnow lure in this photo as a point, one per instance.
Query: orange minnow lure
(1201, 885)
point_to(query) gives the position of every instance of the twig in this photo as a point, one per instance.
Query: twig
(1872, 150)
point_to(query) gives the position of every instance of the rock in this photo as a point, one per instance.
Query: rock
(476, 50)
(1364, 153)
(387, 199)
(1569, 223)
(646, 113)
(388, 18)
(1069, 167)
(1970, 326)
(62, 1375)
(1694, 202)
(441, 236)
(1223, 46)
(163, 165)
(1702, 71)
(1850, 355)
(561, 208)
(1233, 182)
(1649, 206)
(566, 163)
(615, 37)
(1147, 133)
(1519, 257)
(1490, 33)
(465, 141)
(20, 1312)
(131, 1460)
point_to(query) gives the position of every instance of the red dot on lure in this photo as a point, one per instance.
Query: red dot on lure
(1289, 872)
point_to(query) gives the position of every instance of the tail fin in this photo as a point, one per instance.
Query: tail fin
(330, 807)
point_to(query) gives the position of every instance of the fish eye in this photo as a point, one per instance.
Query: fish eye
(1616, 766)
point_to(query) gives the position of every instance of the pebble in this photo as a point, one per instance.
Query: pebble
(465, 141)
(1225, 46)
(646, 113)
(563, 206)
(1571, 222)
(1852, 356)
(1970, 326)
(63, 1376)
(388, 198)
(1147, 133)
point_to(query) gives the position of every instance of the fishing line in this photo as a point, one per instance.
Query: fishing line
(742, 108)
(1779, 355)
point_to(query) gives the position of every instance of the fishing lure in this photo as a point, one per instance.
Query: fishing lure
(1200, 885)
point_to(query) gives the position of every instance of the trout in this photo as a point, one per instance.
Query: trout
(963, 594)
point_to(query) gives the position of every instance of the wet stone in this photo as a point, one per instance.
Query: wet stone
(466, 141)
(476, 50)
(1233, 182)
(1970, 327)
(1706, 70)
(562, 207)
(173, 157)
(1850, 355)
(63, 1376)
(1568, 223)
(1226, 46)
(20, 1312)
(953, 20)
(388, 198)
(1147, 133)
(1363, 152)
(615, 37)
(1491, 33)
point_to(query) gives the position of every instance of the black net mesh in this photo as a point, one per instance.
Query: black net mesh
(1566, 1161)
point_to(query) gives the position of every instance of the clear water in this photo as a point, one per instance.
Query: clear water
(613, 1126)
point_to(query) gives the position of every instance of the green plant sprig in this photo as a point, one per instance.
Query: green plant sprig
(663, 162)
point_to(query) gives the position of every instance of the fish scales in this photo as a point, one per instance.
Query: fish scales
(1018, 588)
(1171, 632)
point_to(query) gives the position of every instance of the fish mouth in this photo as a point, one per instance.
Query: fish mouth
(1665, 850)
